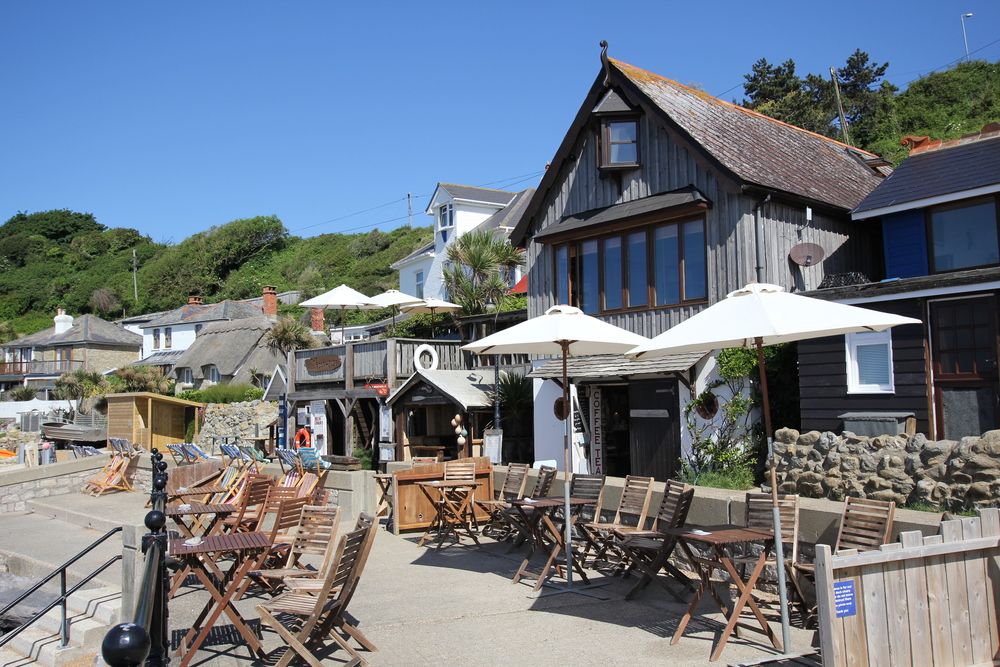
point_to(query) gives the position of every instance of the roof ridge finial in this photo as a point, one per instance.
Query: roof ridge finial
(606, 63)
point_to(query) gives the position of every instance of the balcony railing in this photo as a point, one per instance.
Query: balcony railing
(39, 367)
(389, 360)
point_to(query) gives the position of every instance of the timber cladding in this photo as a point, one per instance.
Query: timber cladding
(926, 601)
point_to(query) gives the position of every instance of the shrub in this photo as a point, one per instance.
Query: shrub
(224, 393)
(739, 479)
(367, 460)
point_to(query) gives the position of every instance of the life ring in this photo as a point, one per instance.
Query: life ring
(302, 438)
(421, 349)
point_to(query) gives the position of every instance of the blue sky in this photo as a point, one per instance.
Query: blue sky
(171, 117)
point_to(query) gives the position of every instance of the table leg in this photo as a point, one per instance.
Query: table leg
(745, 598)
(704, 574)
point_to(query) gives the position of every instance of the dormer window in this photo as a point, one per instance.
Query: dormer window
(619, 142)
(447, 218)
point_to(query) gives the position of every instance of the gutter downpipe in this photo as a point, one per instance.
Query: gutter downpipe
(759, 238)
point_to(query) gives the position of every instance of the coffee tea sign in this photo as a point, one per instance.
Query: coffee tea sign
(323, 363)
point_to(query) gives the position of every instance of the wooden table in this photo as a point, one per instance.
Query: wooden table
(384, 505)
(453, 500)
(545, 535)
(717, 539)
(248, 549)
(197, 529)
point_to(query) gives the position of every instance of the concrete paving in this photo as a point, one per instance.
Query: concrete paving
(457, 606)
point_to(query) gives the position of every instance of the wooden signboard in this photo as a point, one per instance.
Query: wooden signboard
(412, 508)
(323, 363)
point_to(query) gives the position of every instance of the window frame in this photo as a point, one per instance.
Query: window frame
(418, 284)
(446, 212)
(168, 338)
(210, 372)
(604, 142)
(929, 229)
(186, 376)
(573, 266)
(852, 342)
(156, 339)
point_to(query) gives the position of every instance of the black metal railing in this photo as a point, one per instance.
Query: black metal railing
(64, 593)
(143, 640)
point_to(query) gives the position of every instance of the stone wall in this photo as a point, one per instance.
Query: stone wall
(905, 469)
(236, 419)
(18, 486)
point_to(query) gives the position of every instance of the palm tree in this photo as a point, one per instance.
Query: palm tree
(288, 335)
(482, 266)
(81, 386)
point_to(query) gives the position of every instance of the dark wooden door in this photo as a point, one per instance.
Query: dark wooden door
(964, 340)
(654, 428)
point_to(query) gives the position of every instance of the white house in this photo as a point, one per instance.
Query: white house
(457, 209)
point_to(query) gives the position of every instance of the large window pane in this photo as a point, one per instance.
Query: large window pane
(695, 282)
(562, 275)
(622, 142)
(638, 293)
(965, 236)
(613, 273)
(623, 153)
(667, 257)
(588, 279)
(622, 131)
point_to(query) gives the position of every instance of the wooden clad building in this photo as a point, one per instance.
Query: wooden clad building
(150, 420)
(659, 202)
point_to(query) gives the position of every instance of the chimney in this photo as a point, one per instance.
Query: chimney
(271, 302)
(195, 300)
(63, 321)
(318, 322)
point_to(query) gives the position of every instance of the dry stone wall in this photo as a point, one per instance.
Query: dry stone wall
(236, 419)
(905, 469)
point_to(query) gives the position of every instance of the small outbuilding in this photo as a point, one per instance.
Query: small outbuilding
(150, 420)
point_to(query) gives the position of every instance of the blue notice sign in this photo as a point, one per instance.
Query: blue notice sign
(843, 598)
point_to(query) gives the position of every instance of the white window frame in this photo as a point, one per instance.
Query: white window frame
(418, 284)
(853, 342)
(211, 373)
(187, 376)
(446, 216)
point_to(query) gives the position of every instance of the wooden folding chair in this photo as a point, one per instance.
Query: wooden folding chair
(314, 534)
(632, 511)
(235, 455)
(179, 455)
(253, 497)
(318, 614)
(865, 526)
(284, 512)
(649, 551)
(759, 514)
(512, 489)
(112, 476)
(543, 484)
(586, 487)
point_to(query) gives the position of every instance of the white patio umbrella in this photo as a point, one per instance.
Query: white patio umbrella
(433, 306)
(757, 315)
(562, 331)
(344, 298)
(393, 298)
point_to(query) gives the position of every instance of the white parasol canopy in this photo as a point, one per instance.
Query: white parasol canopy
(433, 306)
(562, 331)
(762, 314)
(394, 297)
(344, 298)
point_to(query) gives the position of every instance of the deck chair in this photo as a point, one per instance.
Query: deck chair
(234, 454)
(179, 455)
(254, 455)
(314, 534)
(511, 489)
(649, 551)
(320, 614)
(865, 526)
(517, 528)
(311, 461)
(196, 453)
(632, 512)
(288, 457)
(114, 475)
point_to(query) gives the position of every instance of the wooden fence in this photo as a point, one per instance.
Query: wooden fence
(925, 601)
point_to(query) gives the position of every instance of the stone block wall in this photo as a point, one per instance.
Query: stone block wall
(19, 486)
(236, 419)
(905, 469)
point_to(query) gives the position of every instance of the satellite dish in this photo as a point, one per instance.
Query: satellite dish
(807, 254)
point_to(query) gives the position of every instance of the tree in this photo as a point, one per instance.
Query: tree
(57, 225)
(140, 378)
(104, 301)
(482, 268)
(288, 335)
(82, 386)
(7, 332)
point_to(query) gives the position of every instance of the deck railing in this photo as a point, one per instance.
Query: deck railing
(39, 367)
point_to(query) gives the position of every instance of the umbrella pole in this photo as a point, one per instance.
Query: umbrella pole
(566, 522)
(343, 341)
(779, 547)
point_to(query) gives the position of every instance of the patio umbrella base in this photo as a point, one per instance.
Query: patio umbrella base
(559, 589)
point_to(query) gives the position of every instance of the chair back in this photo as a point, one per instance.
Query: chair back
(760, 514)
(674, 507)
(588, 487)
(284, 510)
(460, 471)
(543, 483)
(634, 505)
(316, 530)
(310, 460)
(866, 524)
(514, 481)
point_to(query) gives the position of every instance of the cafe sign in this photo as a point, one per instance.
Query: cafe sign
(323, 363)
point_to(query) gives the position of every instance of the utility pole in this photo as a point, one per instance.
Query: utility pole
(409, 208)
(840, 109)
(135, 276)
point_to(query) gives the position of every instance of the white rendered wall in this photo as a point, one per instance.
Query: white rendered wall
(549, 431)
(408, 276)
(181, 338)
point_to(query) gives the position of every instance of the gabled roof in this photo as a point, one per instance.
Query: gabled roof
(510, 214)
(470, 193)
(468, 389)
(424, 250)
(744, 148)
(233, 347)
(213, 312)
(934, 170)
(86, 330)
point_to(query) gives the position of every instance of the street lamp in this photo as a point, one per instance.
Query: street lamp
(964, 37)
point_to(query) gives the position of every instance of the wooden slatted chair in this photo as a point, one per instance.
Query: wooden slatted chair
(280, 514)
(543, 484)
(317, 613)
(865, 526)
(759, 514)
(649, 551)
(632, 511)
(253, 496)
(512, 488)
(314, 535)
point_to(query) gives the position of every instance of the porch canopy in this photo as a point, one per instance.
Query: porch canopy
(617, 366)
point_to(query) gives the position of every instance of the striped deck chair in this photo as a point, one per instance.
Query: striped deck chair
(196, 453)
(288, 457)
(235, 455)
(311, 460)
(254, 455)
(180, 456)
(307, 484)
(89, 450)
(112, 476)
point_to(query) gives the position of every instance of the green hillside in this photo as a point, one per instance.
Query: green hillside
(65, 259)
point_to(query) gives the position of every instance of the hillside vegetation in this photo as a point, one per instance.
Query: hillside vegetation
(67, 259)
